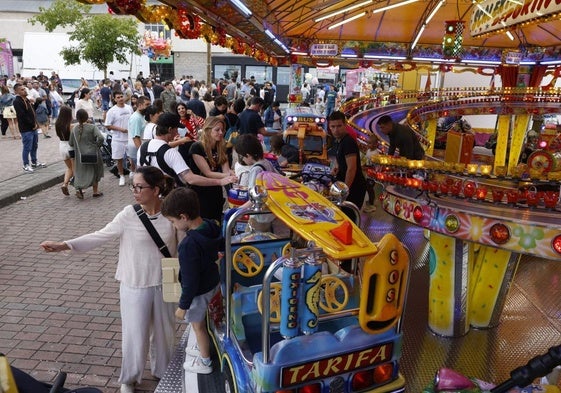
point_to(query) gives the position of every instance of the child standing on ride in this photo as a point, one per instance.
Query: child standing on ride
(198, 271)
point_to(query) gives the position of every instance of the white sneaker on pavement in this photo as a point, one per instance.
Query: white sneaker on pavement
(127, 388)
(193, 351)
(131, 174)
(121, 180)
(39, 165)
(197, 366)
(28, 168)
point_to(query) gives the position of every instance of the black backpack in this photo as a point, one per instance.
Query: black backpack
(145, 158)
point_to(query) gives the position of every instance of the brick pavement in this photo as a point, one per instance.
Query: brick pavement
(58, 311)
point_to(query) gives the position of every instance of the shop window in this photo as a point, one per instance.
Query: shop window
(283, 76)
(262, 74)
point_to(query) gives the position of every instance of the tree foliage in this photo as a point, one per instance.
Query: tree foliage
(97, 39)
(61, 13)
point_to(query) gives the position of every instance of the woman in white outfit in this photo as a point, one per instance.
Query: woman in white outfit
(147, 322)
(85, 102)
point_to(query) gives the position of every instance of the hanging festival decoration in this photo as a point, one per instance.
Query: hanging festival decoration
(188, 25)
(155, 46)
(125, 7)
(154, 13)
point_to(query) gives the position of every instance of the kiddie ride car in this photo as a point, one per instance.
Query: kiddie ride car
(288, 325)
(305, 129)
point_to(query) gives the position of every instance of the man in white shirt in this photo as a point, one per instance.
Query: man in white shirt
(171, 162)
(10, 83)
(117, 121)
(32, 91)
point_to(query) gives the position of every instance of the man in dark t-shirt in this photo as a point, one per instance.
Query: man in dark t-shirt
(402, 138)
(348, 169)
(250, 121)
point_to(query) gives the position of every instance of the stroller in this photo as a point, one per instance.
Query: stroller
(106, 147)
(14, 380)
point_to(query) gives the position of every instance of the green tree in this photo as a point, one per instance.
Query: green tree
(100, 39)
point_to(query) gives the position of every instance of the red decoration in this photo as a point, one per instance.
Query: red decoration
(125, 7)
(445, 67)
(221, 33)
(189, 24)
(344, 233)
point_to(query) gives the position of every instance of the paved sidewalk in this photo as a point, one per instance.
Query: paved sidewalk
(59, 311)
(14, 182)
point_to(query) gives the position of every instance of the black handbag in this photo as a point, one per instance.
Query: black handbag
(88, 158)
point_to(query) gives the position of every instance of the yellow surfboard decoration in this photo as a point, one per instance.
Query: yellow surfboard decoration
(313, 216)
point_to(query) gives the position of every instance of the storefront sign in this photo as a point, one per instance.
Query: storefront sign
(324, 50)
(500, 14)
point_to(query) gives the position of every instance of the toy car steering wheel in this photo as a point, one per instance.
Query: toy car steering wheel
(248, 261)
(274, 310)
(286, 250)
(334, 294)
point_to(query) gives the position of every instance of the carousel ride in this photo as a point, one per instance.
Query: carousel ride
(480, 217)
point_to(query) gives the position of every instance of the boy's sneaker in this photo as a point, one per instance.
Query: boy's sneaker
(39, 165)
(27, 168)
(197, 366)
(193, 351)
(122, 180)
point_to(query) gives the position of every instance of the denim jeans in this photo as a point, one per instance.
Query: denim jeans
(30, 141)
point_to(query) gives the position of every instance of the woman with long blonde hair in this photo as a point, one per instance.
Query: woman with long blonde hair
(207, 157)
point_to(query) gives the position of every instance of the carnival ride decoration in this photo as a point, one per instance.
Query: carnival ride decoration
(481, 217)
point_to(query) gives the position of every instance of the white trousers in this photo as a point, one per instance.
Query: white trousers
(147, 324)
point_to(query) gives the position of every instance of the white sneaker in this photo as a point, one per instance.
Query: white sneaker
(197, 366)
(193, 351)
(127, 388)
(369, 208)
(122, 180)
(131, 174)
(28, 168)
(39, 165)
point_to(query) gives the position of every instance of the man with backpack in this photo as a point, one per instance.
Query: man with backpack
(156, 152)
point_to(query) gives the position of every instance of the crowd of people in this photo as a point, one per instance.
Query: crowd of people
(170, 136)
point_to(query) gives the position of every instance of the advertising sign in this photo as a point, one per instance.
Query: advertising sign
(6, 59)
(492, 15)
(328, 50)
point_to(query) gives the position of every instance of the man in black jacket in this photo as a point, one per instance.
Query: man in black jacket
(401, 137)
(28, 127)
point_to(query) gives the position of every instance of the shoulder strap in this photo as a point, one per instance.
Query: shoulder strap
(144, 154)
(163, 164)
(152, 231)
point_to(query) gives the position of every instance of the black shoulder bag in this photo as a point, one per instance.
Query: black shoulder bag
(152, 231)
